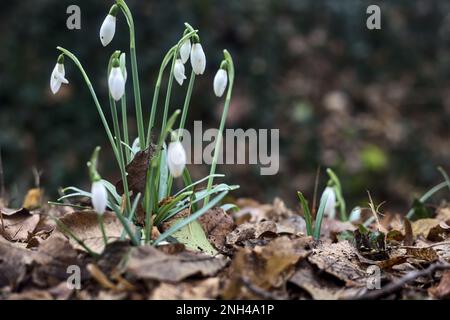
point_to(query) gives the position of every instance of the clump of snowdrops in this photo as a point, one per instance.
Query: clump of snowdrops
(168, 161)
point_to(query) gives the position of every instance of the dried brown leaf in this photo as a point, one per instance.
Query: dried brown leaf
(341, 260)
(217, 224)
(84, 225)
(152, 264)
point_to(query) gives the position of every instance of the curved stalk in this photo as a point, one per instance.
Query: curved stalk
(134, 71)
(94, 97)
(123, 173)
(230, 67)
(187, 101)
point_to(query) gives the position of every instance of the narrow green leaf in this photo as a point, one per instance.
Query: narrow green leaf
(307, 213)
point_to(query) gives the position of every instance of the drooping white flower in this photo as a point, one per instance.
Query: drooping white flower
(108, 29)
(99, 197)
(58, 76)
(198, 59)
(185, 50)
(330, 206)
(176, 158)
(220, 82)
(116, 83)
(178, 71)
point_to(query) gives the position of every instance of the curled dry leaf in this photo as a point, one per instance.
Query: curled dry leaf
(217, 224)
(319, 287)
(340, 260)
(33, 199)
(151, 264)
(265, 267)
(249, 231)
(17, 225)
(137, 171)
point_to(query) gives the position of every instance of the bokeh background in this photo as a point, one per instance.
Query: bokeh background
(373, 105)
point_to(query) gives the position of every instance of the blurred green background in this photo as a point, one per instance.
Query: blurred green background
(373, 105)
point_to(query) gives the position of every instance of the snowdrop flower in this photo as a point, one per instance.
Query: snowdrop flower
(176, 158)
(108, 28)
(178, 71)
(220, 82)
(58, 75)
(198, 59)
(99, 196)
(116, 81)
(185, 50)
(330, 206)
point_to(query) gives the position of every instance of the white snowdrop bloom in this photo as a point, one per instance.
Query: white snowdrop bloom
(108, 29)
(198, 59)
(185, 50)
(220, 82)
(330, 206)
(99, 197)
(116, 83)
(176, 158)
(58, 77)
(178, 71)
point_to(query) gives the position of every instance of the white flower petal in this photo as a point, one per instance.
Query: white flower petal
(178, 72)
(107, 30)
(116, 83)
(185, 50)
(99, 197)
(330, 206)
(220, 82)
(198, 59)
(176, 158)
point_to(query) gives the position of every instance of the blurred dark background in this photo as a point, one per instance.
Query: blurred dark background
(373, 105)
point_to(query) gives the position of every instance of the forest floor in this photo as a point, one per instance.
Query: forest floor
(263, 253)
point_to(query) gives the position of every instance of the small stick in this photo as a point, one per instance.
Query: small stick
(394, 286)
(316, 185)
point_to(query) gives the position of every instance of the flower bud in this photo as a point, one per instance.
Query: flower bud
(198, 59)
(116, 83)
(220, 82)
(176, 158)
(330, 206)
(108, 28)
(178, 71)
(185, 50)
(99, 197)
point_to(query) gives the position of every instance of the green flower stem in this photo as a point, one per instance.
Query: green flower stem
(134, 71)
(169, 91)
(164, 63)
(171, 54)
(126, 139)
(151, 193)
(123, 173)
(187, 101)
(230, 69)
(102, 229)
(94, 96)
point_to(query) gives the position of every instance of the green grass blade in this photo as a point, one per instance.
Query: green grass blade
(319, 218)
(307, 213)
